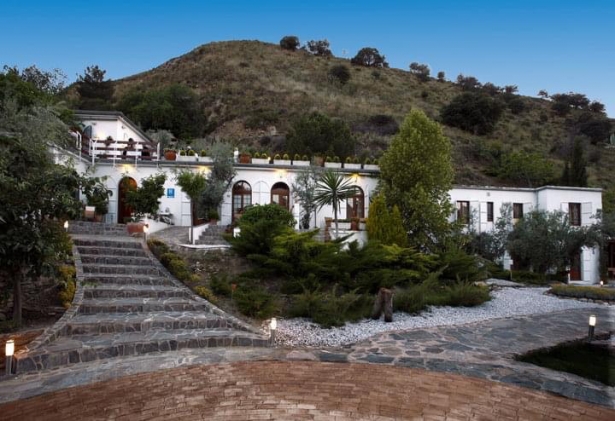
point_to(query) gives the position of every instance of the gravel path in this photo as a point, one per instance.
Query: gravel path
(506, 302)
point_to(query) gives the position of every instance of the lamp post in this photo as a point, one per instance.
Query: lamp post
(592, 327)
(9, 350)
(273, 325)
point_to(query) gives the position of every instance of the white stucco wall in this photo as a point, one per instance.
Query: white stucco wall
(549, 198)
(261, 178)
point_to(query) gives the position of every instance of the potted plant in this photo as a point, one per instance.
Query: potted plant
(370, 164)
(245, 158)
(300, 161)
(282, 160)
(97, 195)
(183, 156)
(213, 217)
(352, 163)
(260, 158)
(333, 162)
(145, 200)
(203, 156)
(170, 154)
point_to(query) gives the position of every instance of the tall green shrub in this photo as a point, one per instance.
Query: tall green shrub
(416, 174)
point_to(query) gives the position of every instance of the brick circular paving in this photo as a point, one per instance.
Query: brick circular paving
(299, 390)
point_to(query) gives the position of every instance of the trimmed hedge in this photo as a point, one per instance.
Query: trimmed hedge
(591, 293)
(172, 261)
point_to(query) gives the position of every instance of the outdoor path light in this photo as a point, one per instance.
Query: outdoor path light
(273, 325)
(592, 326)
(9, 350)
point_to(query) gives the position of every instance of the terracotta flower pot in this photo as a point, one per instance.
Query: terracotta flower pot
(135, 227)
(170, 155)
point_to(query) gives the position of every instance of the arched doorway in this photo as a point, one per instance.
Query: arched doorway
(123, 210)
(280, 195)
(242, 197)
(355, 205)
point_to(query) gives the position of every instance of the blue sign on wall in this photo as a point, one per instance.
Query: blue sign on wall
(171, 193)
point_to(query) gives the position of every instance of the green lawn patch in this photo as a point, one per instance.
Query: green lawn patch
(592, 293)
(581, 358)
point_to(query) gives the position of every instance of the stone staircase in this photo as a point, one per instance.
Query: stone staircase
(126, 304)
(97, 228)
(213, 236)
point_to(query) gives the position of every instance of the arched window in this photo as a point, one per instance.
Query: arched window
(355, 205)
(242, 197)
(280, 194)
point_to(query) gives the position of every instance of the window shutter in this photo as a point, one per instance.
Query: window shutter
(586, 213)
(483, 217)
(475, 214)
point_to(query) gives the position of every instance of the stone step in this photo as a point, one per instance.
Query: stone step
(127, 243)
(134, 291)
(84, 348)
(96, 279)
(141, 322)
(116, 260)
(139, 305)
(110, 251)
(96, 228)
(121, 270)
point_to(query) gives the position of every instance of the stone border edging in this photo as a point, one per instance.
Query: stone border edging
(240, 324)
(51, 333)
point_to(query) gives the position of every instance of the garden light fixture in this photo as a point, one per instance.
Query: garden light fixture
(592, 326)
(66, 225)
(273, 325)
(9, 350)
(145, 229)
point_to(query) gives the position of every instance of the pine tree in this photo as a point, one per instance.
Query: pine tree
(384, 226)
(417, 174)
(578, 170)
(565, 180)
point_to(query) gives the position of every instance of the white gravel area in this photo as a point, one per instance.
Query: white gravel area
(505, 302)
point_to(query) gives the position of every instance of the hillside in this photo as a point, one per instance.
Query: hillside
(251, 92)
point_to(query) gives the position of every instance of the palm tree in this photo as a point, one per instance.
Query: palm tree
(193, 185)
(331, 189)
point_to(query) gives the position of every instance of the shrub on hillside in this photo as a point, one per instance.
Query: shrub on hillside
(289, 42)
(221, 285)
(381, 124)
(369, 57)
(205, 293)
(319, 48)
(330, 308)
(473, 112)
(339, 73)
(421, 71)
(256, 302)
